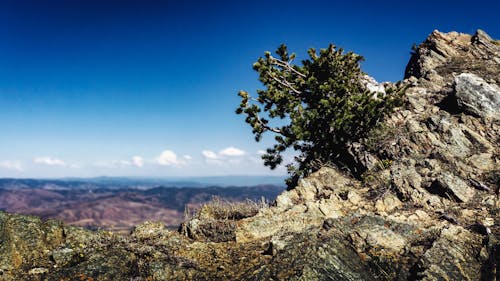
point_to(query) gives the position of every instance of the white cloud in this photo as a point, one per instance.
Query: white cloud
(105, 164)
(11, 165)
(50, 161)
(256, 160)
(208, 154)
(113, 164)
(169, 158)
(261, 152)
(121, 163)
(137, 161)
(229, 155)
(235, 161)
(188, 157)
(232, 151)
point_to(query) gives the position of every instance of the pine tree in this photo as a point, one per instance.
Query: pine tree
(322, 103)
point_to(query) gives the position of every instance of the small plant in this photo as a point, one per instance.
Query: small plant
(216, 221)
(384, 164)
(378, 179)
(219, 209)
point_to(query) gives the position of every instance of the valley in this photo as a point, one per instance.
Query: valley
(119, 209)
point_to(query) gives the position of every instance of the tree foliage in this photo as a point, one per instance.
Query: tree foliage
(322, 103)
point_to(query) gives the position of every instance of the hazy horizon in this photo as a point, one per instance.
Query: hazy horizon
(149, 182)
(149, 88)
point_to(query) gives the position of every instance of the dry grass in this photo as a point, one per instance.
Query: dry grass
(378, 180)
(220, 209)
(216, 221)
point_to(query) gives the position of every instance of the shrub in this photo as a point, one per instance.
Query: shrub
(321, 107)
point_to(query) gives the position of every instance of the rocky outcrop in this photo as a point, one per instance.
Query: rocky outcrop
(426, 209)
(477, 97)
(443, 55)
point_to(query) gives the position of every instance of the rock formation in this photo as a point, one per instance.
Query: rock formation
(426, 209)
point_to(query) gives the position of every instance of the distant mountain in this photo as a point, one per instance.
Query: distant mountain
(139, 182)
(112, 204)
(11, 183)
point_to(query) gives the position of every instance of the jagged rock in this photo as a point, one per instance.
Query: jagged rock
(27, 245)
(149, 230)
(63, 256)
(210, 230)
(369, 83)
(476, 96)
(482, 161)
(442, 54)
(388, 203)
(450, 185)
(325, 194)
(455, 255)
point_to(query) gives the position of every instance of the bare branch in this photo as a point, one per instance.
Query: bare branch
(274, 130)
(287, 66)
(265, 126)
(284, 83)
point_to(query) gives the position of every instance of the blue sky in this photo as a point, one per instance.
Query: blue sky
(148, 88)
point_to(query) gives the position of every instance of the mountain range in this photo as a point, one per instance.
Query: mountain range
(117, 204)
(139, 182)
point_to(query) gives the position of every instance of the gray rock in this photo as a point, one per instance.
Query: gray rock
(370, 84)
(477, 97)
(64, 256)
(453, 256)
(442, 55)
(455, 186)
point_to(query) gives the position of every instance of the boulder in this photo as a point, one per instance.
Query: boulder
(476, 96)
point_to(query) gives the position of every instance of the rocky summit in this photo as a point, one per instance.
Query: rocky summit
(426, 207)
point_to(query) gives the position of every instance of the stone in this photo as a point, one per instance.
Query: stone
(406, 180)
(388, 203)
(477, 97)
(372, 85)
(287, 199)
(353, 197)
(38, 270)
(148, 229)
(482, 161)
(64, 256)
(456, 186)
(451, 256)
(443, 54)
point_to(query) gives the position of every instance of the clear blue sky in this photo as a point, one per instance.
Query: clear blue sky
(148, 88)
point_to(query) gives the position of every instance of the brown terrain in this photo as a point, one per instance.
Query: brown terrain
(120, 210)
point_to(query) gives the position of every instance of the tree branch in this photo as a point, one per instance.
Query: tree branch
(265, 126)
(286, 65)
(284, 83)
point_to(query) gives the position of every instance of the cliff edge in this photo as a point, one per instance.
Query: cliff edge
(425, 209)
